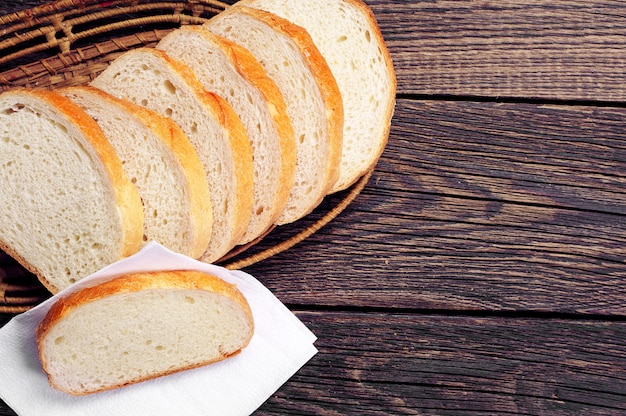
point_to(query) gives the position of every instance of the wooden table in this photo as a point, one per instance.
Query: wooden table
(483, 268)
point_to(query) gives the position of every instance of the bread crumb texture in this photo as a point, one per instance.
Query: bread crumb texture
(69, 210)
(139, 327)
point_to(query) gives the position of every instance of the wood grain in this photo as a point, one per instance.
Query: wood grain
(380, 364)
(482, 269)
(478, 206)
(396, 364)
(565, 50)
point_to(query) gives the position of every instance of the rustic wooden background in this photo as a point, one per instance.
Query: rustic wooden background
(482, 269)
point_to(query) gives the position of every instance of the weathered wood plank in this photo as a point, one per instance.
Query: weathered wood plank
(488, 213)
(562, 156)
(380, 364)
(565, 50)
(477, 206)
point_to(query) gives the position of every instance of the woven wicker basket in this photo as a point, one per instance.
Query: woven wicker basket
(69, 42)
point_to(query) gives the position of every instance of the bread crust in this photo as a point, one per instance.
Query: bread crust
(243, 167)
(136, 282)
(251, 70)
(28, 266)
(326, 82)
(348, 177)
(388, 114)
(238, 141)
(126, 195)
(201, 211)
(240, 208)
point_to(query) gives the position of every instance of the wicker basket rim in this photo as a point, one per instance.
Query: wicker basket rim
(52, 28)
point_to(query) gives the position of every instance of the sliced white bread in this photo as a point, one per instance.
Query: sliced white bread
(160, 160)
(230, 71)
(68, 208)
(313, 100)
(348, 36)
(150, 78)
(154, 324)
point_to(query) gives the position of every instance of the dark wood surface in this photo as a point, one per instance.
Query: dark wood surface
(482, 269)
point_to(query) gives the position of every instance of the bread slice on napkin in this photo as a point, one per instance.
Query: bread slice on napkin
(230, 71)
(141, 326)
(151, 78)
(68, 208)
(348, 36)
(160, 160)
(313, 100)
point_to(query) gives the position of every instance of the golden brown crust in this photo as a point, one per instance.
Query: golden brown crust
(325, 80)
(28, 266)
(239, 143)
(178, 142)
(168, 280)
(250, 69)
(378, 37)
(135, 282)
(199, 194)
(126, 195)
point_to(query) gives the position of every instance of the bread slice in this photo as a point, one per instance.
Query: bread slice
(150, 78)
(232, 72)
(314, 105)
(160, 160)
(348, 36)
(68, 209)
(139, 327)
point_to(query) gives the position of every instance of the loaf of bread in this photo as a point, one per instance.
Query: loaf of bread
(348, 36)
(159, 159)
(314, 104)
(247, 109)
(141, 326)
(151, 78)
(68, 208)
(231, 71)
(201, 144)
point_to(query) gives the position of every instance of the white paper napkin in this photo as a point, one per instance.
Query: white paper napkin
(237, 386)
